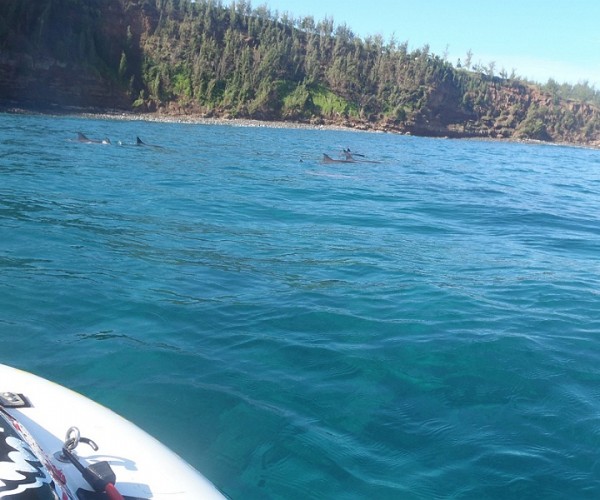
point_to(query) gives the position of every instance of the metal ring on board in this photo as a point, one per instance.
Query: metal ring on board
(72, 438)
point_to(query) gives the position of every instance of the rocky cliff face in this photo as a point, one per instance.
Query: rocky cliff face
(47, 83)
(504, 109)
(61, 54)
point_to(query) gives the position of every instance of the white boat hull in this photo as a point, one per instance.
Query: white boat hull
(144, 468)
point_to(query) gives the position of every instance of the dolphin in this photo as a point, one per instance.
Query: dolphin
(86, 140)
(349, 159)
(329, 159)
(350, 155)
(139, 142)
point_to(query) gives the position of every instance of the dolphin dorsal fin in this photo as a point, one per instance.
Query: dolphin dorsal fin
(138, 141)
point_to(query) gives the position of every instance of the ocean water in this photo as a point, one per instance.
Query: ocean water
(423, 327)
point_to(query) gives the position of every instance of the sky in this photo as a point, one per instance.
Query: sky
(538, 39)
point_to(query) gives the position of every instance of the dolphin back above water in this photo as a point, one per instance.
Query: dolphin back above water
(86, 140)
(329, 159)
(349, 158)
(139, 142)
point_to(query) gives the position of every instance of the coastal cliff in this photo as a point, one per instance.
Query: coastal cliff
(177, 58)
(62, 54)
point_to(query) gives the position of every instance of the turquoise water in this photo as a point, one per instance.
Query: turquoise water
(423, 327)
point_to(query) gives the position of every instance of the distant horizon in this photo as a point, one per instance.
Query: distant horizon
(538, 40)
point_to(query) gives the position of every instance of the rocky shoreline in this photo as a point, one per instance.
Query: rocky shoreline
(158, 117)
(199, 119)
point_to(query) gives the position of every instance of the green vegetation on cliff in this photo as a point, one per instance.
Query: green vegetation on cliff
(204, 57)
